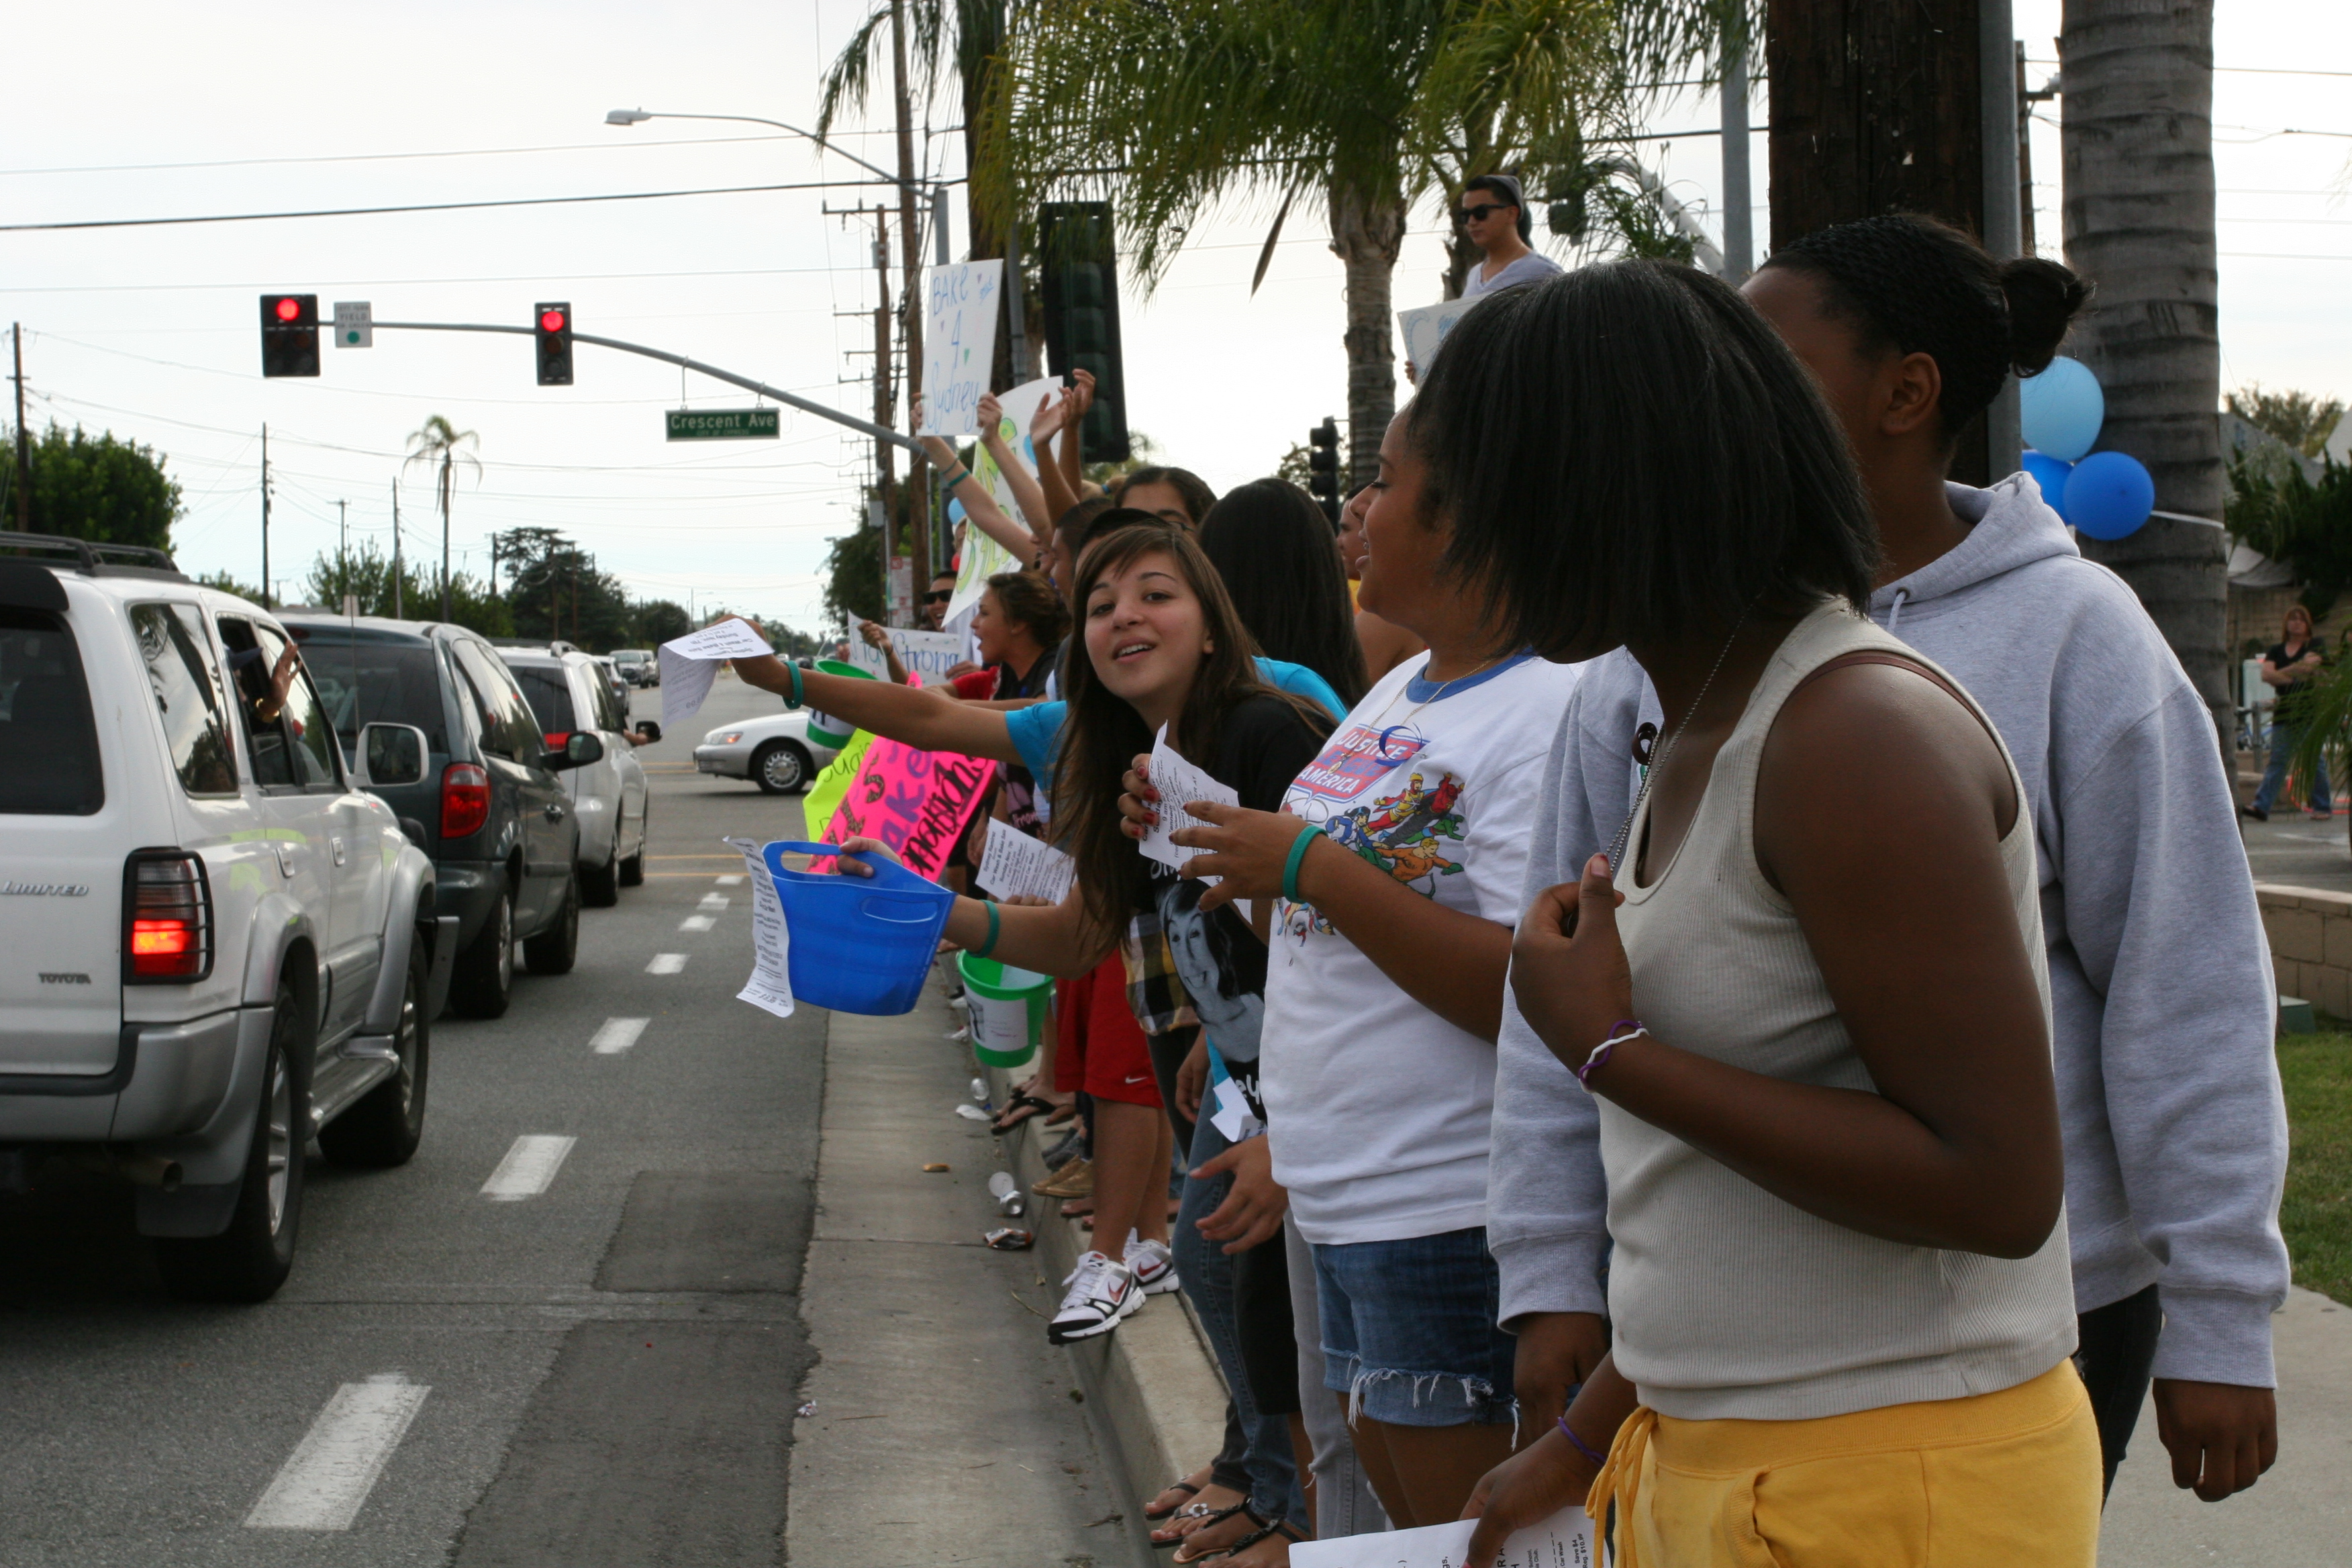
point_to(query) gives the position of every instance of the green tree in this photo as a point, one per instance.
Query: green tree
(853, 576)
(100, 489)
(554, 590)
(365, 574)
(439, 447)
(228, 584)
(2302, 420)
(655, 621)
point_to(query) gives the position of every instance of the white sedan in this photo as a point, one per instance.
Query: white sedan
(774, 752)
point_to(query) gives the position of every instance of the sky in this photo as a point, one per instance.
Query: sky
(228, 107)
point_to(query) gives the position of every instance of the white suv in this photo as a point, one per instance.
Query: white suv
(216, 946)
(570, 692)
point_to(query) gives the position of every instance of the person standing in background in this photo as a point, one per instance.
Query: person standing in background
(2289, 669)
(1494, 218)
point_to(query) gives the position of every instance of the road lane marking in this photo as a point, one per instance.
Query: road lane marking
(696, 923)
(331, 1471)
(618, 1035)
(667, 963)
(713, 903)
(529, 1168)
(734, 881)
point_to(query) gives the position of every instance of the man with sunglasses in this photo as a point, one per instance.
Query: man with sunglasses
(1494, 219)
(934, 608)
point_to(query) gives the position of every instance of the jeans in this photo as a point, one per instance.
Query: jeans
(2117, 1348)
(2283, 740)
(1208, 1282)
(1344, 1500)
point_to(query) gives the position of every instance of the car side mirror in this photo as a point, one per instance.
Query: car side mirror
(580, 749)
(652, 730)
(392, 754)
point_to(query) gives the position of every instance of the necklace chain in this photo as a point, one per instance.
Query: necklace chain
(1664, 747)
(1436, 695)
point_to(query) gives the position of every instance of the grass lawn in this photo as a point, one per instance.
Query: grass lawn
(2317, 1213)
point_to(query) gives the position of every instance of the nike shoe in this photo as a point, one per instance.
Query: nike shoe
(1100, 1294)
(1151, 1265)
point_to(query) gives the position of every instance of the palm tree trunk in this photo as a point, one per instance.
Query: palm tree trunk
(2138, 209)
(1366, 235)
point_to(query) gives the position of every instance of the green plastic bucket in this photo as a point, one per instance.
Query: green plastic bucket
(1008, 1010)
(825, 730)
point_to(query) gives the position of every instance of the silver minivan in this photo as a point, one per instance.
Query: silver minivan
(570, 692)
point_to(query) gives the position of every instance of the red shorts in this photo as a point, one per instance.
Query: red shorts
(1100, 1048)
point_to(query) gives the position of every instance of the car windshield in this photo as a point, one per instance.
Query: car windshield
(550, 696)
(364, 683)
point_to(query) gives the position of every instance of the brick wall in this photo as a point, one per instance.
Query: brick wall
(2311, 945)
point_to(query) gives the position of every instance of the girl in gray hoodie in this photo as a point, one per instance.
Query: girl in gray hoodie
(2159, 974)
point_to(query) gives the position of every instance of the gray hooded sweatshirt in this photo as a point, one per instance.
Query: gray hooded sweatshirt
(2159, 973)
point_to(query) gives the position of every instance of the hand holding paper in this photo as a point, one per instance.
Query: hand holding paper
(1014, 866)
(1178, 782)
(691, 663)
(1563, 1541)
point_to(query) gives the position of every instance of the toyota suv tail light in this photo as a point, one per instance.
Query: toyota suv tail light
(167, 917)
(464, 800)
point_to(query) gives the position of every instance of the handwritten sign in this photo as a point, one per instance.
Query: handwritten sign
(928, 656)
(1014, 866)
(915, 801)
(981, 557)
(1563, 1541)
(1424, 328)
(959, 344)
(825, 792)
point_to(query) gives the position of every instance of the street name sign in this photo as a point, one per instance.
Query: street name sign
(723, 423)
(354, 324)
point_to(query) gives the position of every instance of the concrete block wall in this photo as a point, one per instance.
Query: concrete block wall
(2311, 943)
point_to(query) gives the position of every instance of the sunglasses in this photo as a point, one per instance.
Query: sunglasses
(1480, 212)
(938, 596)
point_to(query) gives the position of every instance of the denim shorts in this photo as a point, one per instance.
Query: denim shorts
(1409, 1330)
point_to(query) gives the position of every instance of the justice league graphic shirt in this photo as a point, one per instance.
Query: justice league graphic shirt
(1379, 1108)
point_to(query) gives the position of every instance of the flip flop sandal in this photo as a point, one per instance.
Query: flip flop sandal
(1279, 1527)
(1206, 1514)
(1028, 1105)
(1183, 1553)
(1187, 1487)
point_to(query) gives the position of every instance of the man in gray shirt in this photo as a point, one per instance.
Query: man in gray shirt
(1492, 213)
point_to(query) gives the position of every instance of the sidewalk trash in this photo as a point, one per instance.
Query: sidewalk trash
(1007, 1239)
(935, 1170)
(1007, 1194)
(1008, 1010)
(808, 1409)
(859, 944)
(971, 1113)
(980, 1091)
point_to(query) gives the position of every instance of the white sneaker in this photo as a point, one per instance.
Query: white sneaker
(1152, 1264)
(1100, 1293)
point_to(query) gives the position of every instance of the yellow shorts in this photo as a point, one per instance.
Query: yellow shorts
(1997, 1481)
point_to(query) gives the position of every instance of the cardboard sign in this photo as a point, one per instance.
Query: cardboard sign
(958, 343)
(983, 557)
(1424, 328)
(915, 801)
(928, 656)
(832, 783)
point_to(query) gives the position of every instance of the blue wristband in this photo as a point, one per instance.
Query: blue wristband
(1306, 836)
(795, 698)
(985, 948)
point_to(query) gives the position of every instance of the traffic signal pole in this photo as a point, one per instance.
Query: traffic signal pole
(790, 399)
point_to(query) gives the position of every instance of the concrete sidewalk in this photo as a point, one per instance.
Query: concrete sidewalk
(945, 1428)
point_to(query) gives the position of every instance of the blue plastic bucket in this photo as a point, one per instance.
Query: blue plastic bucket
(859, 944)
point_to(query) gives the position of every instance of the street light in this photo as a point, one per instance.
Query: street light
(938, 194)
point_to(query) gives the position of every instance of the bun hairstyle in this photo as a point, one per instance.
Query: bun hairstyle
(1916, 285)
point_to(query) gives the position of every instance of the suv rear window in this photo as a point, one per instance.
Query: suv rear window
(550, 695)
(48, 745)
(364, 683)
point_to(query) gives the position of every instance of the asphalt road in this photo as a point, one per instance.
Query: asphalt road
(602, 1371)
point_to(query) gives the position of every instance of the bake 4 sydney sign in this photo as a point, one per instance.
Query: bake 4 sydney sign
(916, 802)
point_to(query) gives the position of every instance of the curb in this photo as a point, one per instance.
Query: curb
(1153, 1381)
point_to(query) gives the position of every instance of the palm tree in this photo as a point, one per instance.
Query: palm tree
(437, 445)
(2138, 211)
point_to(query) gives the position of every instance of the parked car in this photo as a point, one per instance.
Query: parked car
(637, 666)
(774, 752)
(611, 675)
(219, 945)
(570, 695)
(490, 808)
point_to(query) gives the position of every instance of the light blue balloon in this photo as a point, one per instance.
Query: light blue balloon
(2109, 495)
(955, 510)
(2060, 410)
(2051, 474)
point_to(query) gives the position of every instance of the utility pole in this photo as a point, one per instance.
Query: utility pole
(343, 543)
(24, 445)
(886, 464)
(1738, 200)
(911, 293)
(399, 609)
(265, 516)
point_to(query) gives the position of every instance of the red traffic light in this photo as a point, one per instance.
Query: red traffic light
(288, 308)
(551, 321)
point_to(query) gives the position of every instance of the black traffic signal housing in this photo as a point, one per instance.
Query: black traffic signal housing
(550, 329)
(1323, 467)
(290, 334)
(1077, 263)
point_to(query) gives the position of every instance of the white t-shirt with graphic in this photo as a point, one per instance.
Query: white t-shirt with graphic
(1377, 1108)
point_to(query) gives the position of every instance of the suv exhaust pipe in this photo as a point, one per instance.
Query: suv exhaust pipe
(139, 1170)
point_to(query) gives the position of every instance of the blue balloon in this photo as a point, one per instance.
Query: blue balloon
(955, 509)
(2060, 410)
(2109, 495)
(2051, 474)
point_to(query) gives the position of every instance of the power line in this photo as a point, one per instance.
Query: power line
(627, 144)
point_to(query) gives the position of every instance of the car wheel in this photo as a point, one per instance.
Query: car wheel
(600, 886)
(553, 951)
(633, 869)
(381, 1130)
(483, 982)
(251, 1259)
(779, 767)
